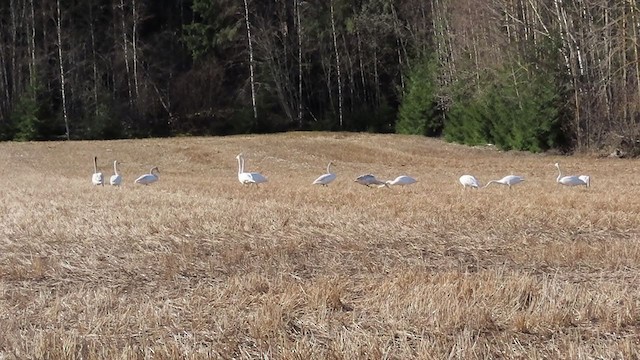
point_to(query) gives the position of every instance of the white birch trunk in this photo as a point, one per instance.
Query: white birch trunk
(14, 43)
(32, 44)
(299, 63)
(126, 53)
(5, 80)
(335, 46)
(134, 45)
(251, 75)
(61, 62)
(93, 55)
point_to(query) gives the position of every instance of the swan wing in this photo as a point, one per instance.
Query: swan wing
(404, 180)
(366, 179)
(469, 180)
(571, 181)
(324, 179)
(258, 178)
(115, 180)
(511, 179)
(251, 178)
(146, 179)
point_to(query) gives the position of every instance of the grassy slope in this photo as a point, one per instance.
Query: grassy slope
(202, 266)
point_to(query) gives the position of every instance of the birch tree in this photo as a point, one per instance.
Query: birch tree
(251, 63)
(62, 76)
(337, 54)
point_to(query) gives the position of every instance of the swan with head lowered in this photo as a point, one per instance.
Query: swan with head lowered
(572, 180)
(508, 180)
(470, 181)
(368, 180)
(97, 178)
(402, 180)
(149, 178)
(248, 177)
(115, 179)
(327, 178)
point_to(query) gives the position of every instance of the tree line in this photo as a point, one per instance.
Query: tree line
(521, 74)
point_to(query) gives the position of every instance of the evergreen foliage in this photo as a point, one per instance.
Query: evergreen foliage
(418, 114)
(26, 117)
(513, 111)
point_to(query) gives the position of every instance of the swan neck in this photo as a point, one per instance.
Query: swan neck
(95, 164)
(240, 164)
(329, 168)
(115, 167)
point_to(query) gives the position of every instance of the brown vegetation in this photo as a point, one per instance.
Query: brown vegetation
(199, 266)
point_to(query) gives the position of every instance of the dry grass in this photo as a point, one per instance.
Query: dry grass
(198, 266)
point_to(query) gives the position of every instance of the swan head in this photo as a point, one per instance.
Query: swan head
(556, 165)
(155, 168)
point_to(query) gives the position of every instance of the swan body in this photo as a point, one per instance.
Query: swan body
(115, 179)
(368, 180)
(97, 178)
(149, 178)
(507, 180)
(325, 179)
(572, 180)
(470, 181)
(402, 180)
(248, 177)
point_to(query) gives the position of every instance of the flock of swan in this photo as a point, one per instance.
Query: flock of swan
(510, 180)
(116, 179)
(368, 180)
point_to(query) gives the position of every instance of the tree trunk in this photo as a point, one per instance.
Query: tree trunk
(94, 59)
(14, 49)
(251, 76)
(299, 64)
(61, 62)
(126, 52)
(134, 45)
(335, 46)
(362, 78)
(32, 45)
(4, 80)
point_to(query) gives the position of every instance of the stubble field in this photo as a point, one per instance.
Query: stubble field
(198, 266)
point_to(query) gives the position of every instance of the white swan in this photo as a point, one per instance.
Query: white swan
(571, 180)
(327, 178)
(470, 181)
(96, 178)
(149, 178)
(507, 180)
(115, 179)
(248, 177)
(369, 179)
(401, 180)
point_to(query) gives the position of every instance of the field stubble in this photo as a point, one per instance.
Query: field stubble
(199, 266)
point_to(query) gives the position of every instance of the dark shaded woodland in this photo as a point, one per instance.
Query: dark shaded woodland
(521, 74)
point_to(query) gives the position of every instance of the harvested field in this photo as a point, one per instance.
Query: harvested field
(198, 266)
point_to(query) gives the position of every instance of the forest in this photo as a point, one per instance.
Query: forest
(521, 74)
